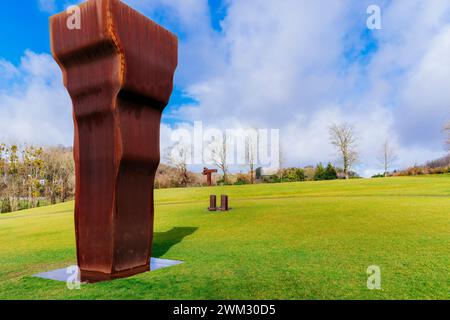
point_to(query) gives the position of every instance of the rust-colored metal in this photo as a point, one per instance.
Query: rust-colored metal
(224, 203)
(118, 69)
(212, 203)
(208, 173)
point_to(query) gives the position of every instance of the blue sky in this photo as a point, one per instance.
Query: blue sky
(30, 24)
(294, 65)
(24, 27)
(29, 20)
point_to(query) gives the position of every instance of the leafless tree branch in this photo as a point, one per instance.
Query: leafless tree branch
(343, 137)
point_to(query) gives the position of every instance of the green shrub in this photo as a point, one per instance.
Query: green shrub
(5, 206)
(328, 173)
(293, 175)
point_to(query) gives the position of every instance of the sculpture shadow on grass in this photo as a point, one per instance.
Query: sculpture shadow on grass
(163, 241)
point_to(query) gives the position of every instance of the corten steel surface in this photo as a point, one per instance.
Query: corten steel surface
(118, 69)
(208, 173)
(224, 203)
(212, 203)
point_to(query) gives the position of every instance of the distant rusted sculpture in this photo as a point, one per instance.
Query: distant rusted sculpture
(212, 203)
(224, 203)
(118, 68)
(208, 173)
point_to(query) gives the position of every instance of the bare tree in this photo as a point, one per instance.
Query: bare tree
(218, 155)
(447, 130)
(4, 201)
(67, 176)
(388, 156)
(58, 173)
(2, 167)
(13, 176)
(343, 137)
(281, 161)
(251, 148)
(29, 173)
(32, 172)
(178, 156)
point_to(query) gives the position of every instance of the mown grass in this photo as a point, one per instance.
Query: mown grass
(310, 240)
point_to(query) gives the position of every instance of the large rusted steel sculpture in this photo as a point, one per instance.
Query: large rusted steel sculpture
(118, 68)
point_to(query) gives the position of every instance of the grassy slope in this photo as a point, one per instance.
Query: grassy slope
(310, 240)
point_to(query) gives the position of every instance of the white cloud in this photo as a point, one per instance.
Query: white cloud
(285, 68)
(201, 48)
(282, 65)
(7, 69)
(35, 107)
(425, 100)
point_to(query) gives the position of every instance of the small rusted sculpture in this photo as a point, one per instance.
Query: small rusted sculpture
(224, 203)
(212, 203)
(208, 173)
(118, 68)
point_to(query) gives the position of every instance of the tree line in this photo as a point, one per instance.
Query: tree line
(33, 176)
(342, 136)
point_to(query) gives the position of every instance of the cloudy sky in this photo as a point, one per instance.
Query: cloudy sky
(295, 65)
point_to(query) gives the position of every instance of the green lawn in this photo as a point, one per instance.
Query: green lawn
(311, 240)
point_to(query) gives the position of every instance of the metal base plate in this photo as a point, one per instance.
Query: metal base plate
(65, 273)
